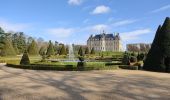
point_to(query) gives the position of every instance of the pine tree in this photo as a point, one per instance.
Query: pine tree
(92, 51)
(62, 50)
(25, 59)
(87, 51)
(7, 48)
(50, 49)
(33, 48)
(160, 49)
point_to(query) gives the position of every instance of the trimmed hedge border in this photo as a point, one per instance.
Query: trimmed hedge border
(61, 67)
(129, 67)
(44, 67)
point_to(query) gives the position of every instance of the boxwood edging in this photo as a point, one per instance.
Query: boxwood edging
(60, 67)
(44, 67)
(129, 67)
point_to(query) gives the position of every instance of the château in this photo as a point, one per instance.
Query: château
(105, 42)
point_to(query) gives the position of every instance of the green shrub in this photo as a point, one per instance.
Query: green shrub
(126, 59)
(25, 59)
(140, 57)
(81, 66)
(133, 59)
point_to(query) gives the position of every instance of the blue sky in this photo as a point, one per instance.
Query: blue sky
(72, 21)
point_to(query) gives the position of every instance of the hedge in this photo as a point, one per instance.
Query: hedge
(44, 67)
(129, 67)
(62, 67)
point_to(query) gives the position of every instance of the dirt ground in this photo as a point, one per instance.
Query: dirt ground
(18, 84)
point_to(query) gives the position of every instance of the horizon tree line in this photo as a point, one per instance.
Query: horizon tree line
(12, 44)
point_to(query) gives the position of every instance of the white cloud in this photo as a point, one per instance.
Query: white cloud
(161, 9)
(60, 32)
(75, 2)
(8, 26)
(101, 9)
(133, 35)
(123, 22)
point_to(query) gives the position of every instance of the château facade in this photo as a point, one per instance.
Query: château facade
(105, 42)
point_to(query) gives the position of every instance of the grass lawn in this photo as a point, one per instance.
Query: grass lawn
(16, 59)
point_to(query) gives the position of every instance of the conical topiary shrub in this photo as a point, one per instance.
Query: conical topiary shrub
(25, 59)
(7, 48)
(63, 50)
(50, 49)
(158, 58)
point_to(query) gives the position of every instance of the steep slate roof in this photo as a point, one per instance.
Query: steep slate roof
(107, 36)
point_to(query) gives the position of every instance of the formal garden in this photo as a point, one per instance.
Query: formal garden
(18, 51)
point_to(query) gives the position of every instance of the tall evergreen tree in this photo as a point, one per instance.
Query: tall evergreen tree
(62, 50)
(50, 49)
(33, 48)
(7, 48)
(25, 59)
(160, 49)
(87, 51)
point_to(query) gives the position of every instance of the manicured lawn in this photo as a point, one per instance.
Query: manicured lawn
(16, 59)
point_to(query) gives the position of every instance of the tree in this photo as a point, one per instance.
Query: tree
(42, 51)
(21, 41)
(7, 48)
(29, 40)
(50, 49)
(87, 51)
(62, 50)
(160, 49)
(80, 52)
(2, 34)
(32, 48)
(92, 51)
(25, 59)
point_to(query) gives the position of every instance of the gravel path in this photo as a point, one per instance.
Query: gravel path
(18, 84)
